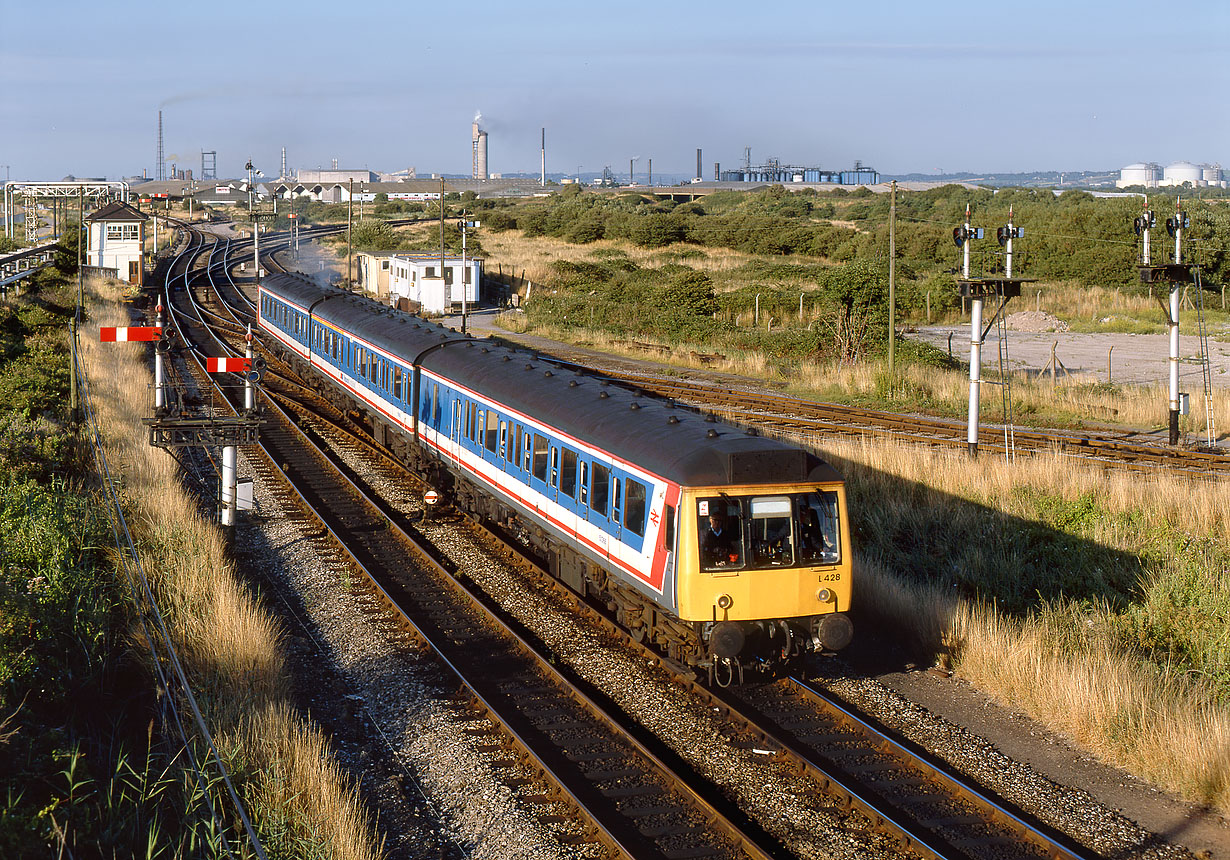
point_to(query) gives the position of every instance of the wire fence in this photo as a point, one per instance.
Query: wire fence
(208, 770)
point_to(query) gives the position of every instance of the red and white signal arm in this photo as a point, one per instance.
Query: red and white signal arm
(228, 365)
(122, 334)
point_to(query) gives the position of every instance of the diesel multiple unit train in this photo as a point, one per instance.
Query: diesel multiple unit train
(722, 548)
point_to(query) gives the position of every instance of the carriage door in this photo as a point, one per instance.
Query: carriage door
(455, 432)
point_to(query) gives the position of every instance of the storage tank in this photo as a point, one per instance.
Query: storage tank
(1139, 173)
(1184, 171)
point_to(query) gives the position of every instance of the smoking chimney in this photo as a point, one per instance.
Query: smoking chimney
(479, 143)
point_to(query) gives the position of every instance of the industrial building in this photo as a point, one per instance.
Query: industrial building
(1176, 175)
(774, 172)
(364, 190)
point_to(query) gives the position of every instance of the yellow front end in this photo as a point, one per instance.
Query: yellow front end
(752, 580)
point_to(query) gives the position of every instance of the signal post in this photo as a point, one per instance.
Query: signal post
(978, 289)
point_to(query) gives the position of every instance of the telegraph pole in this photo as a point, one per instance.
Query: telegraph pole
(349, 225)
(441, 228)
(892, 277)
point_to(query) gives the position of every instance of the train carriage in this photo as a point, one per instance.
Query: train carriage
(615, 491)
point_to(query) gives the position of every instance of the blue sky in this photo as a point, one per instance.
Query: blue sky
(903, 87)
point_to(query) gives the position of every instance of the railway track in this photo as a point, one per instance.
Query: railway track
(809, 418)
(895, 789)
(601, 781)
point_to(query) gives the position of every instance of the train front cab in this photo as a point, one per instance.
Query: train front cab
(781, 582)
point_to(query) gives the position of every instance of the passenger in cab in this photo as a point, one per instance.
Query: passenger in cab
(719, 543)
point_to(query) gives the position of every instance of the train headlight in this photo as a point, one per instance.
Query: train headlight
(725, 601)
(824, 595)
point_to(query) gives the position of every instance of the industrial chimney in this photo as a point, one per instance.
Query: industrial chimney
(479, 142)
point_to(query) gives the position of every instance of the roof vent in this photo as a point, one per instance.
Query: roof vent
(508, 358)
(572, 383)
(485, 350)
(529, 367)
(547, 373)
(604, 382)
(711, 418)
(752, 431)
(674, 419)
(602, 395)
(712, 434)
(634, 406)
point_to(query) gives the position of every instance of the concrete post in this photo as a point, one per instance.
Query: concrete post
(228, 485)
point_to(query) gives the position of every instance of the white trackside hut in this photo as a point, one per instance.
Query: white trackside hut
(117, 240)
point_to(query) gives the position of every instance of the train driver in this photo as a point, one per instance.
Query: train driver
(719, 543)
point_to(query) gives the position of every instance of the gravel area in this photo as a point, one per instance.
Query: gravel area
(393, 716)
(1066, 808)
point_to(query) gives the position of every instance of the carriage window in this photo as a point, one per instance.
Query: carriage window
(528, 449)
(397, 383)
(568, 473)
(634, 508)
(668, 528)
(503, 440)
(540, 457)
(599, 488)
(479, 422)
(469, 431)
(555, 467)
(616, 499)
(493, 433)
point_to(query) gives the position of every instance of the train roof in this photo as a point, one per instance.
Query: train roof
(673, 442)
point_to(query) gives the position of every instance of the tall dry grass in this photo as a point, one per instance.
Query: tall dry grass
(1075, 399)
(1066, 662)
(230, 648)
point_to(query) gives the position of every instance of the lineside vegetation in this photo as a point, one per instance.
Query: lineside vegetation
(87, 765)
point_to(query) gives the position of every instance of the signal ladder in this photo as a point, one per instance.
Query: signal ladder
(1005, 379)
(1206, 371)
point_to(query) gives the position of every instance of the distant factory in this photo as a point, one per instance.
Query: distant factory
(1173, 176)
(774, 171)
